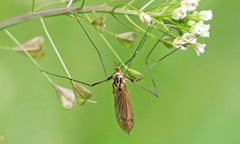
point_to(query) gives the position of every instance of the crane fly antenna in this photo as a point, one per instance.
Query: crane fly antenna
(93, 44)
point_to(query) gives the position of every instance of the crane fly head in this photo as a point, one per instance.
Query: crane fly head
(118, 69)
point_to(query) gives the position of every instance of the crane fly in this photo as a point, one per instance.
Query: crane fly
(123, 108)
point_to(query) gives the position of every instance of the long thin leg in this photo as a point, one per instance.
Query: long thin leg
(129, 61)
(78, 81)
(93, 44)
(147, 65)
(160, 59)
(141, 86)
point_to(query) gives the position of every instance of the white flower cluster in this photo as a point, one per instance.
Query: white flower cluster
(193, 20)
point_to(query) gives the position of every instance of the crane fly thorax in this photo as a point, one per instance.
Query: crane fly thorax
(118, 80)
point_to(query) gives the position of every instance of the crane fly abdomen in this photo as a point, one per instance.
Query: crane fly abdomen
(124, 112)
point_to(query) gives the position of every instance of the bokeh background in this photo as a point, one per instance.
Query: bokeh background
(199, 102)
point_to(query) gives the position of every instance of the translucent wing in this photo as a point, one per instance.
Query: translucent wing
(124, 111)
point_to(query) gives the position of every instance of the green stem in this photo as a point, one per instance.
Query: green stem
(28, 55)
(6, 48)
(146, 5)
(69, 3)
(55, 48)
(33, 5)
(113, 51)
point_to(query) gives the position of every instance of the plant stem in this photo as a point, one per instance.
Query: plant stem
(55, 48)
(28, 55)
(67, 11)
(69, 3)
(33, 5)
(113, 51)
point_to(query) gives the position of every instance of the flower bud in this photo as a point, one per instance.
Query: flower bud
(134, 74)
(179, 43)
(127, 38)
(83, 94)
(33, 46)
(191, 22)
(145, 18)
(189, 38)
(167, 41)
(67, 96)
(99, 24)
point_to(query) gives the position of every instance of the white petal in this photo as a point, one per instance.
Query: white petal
(205, 15)
(179, 13)
(200, 49)
(200, 29)
(189, 5)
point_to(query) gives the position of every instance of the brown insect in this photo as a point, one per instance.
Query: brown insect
(123, 108)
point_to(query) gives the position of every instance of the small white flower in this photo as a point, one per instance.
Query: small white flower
(145, 18)
(199, 48)
(179, 13)
(205, 15)
(189, 5)
(67, 97)
(179, 43)
(189, 38)
(200, 29)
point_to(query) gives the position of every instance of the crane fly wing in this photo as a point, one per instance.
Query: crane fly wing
(124, 111)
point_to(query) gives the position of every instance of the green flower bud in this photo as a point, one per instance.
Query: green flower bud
(134, 74)
(99, 24)
(83, 94)
(167, 41)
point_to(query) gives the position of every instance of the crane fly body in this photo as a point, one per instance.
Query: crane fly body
(123, 108)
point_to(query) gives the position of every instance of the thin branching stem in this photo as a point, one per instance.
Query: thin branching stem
(33, 5)
(28, 55)
(54, 47)
(113, 51)
(69, 11)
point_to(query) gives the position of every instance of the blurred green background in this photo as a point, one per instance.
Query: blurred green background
(199, 102)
